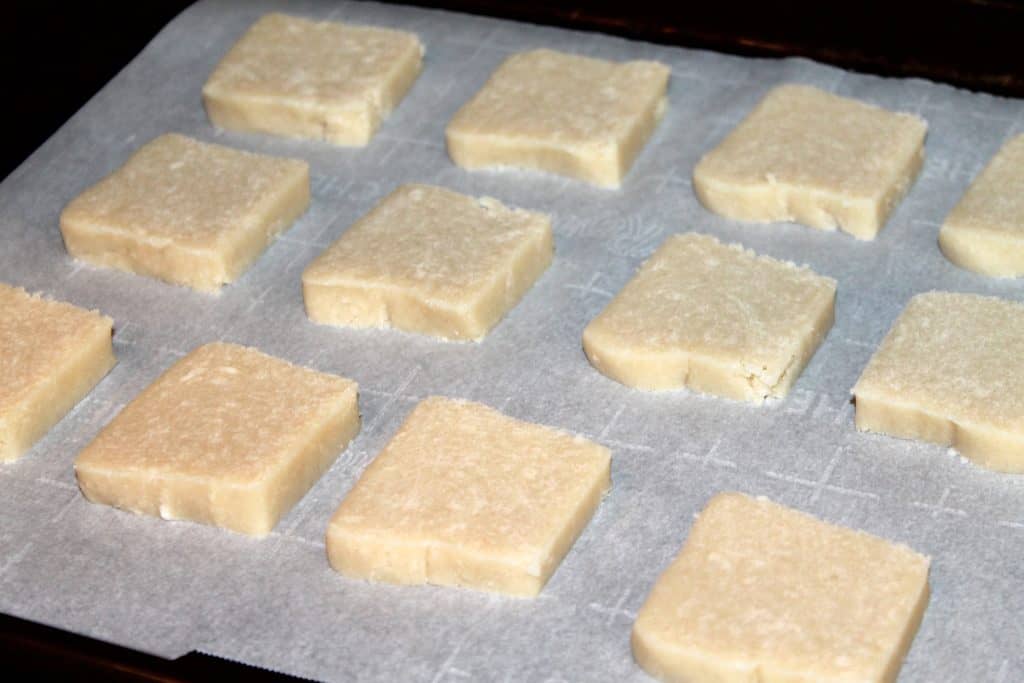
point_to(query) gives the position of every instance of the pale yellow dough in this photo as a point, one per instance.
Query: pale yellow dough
(950, 372)
(815, 158)
(713, 317)
(429, 260)
(465, 496)
(322, 80)
(764, 594)
(186, 212)
(227, 436)
(985, 231)
(576, 116)
(51, 355)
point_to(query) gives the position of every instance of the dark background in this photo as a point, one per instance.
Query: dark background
(56, 55)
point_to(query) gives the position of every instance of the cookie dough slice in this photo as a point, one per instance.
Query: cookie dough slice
(51, 355)
(432, 261)
(760, 592)
(577, 116)
(227, 436)
(713, 317)
(949, 372)
(322, 80)
(465, 496)
(985, 231)
(186, 212)
(809, 156)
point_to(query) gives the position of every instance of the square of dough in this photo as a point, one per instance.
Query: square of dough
(307, 79)
(186, 212)
(764, 593)
(51, 355)
(227, 436)
(808, 156)
(577, 116)
(715, 318)
(465, 496)
(432, 261)
(950, 372)
(985, 231)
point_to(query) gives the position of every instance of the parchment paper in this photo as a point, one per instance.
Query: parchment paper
(171, 587)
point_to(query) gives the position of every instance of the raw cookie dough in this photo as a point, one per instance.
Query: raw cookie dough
(815, 158)
(429, 260)
(985, 231)
(465, 496)
(321, 80)
(950, 372)
(763, 593)
(580, 117)
(713, 317)
(186, 212)
(227, 436)
(51, 355)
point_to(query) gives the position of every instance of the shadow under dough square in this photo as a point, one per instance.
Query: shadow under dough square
(51, 355)
(949, 372)
(985, 230)
(465, 496)
(186, 212)
(321, 80)
(576, 116)
(712, 317)
(227, 436)
(432, 261)
(808, 156)
(761, 592)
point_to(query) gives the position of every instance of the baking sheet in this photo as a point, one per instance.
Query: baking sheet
(172, 587)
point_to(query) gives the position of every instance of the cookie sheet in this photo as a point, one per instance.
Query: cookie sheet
(172, 587)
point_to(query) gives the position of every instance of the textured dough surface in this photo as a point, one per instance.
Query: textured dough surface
(51, 355)
(308, 79)
(713, 317)
(762, 593)
(577, 116)
(985, 231)
(465, 496)
(429, 260)
(227, 436)
(950, 372)
(186, 211)
(809, 156)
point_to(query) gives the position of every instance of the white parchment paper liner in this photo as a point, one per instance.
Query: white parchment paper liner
(172, 587)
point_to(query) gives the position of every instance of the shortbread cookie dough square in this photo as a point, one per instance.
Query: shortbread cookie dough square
(465, 496)
(186, 212)
(985, 230)
(576, 116)
(808, 156)
(227, 436)
(950, 372)
(51, 355)
(763, 593)
(432, 261)
(307, 79)
(713, 317)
